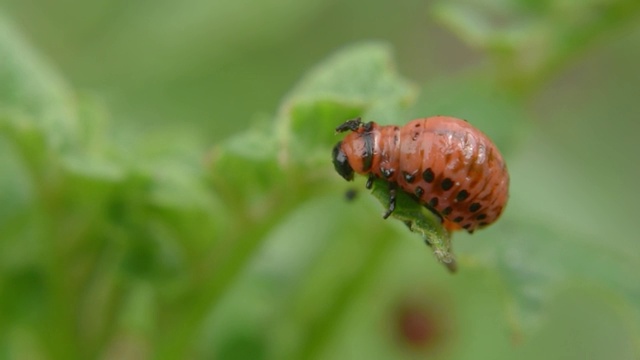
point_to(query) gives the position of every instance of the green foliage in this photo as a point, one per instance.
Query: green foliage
(530, 40)
(419, 220)
(152, 247)
(355, 82)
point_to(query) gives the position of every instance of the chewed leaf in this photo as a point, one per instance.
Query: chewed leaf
(419, 220)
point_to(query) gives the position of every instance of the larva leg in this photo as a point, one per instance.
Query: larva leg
(392, 199)
(369, 183)
(352, 125)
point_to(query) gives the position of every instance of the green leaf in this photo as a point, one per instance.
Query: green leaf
(361, 74)
(314, 124)
(357, 81)
(244, 169)
(420, 221)
(531, 40)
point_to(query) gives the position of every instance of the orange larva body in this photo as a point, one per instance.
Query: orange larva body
(447, 164)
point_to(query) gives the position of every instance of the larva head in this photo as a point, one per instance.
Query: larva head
(355, 153)
(341, 162)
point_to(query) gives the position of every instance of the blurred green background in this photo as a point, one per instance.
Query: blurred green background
(166, 189)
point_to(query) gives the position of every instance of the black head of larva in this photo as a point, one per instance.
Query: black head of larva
(341, 162)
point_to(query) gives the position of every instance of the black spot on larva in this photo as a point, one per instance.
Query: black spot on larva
(481, 217)
(462, 195)
(447, 210)
(419, 191)
(428, 175)
(367, 155)
(415, 136)
(474, 207)
(446, 184)
(458, 219)
(433, 202)
(387, 173)
(417, 125)
(466, 226)
(483, 224)
(408, 177)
